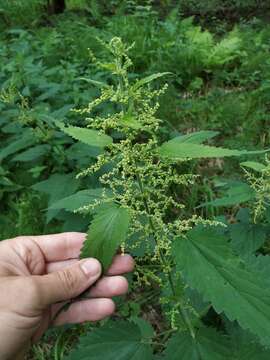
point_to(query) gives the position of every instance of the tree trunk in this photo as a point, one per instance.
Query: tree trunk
(56, 6)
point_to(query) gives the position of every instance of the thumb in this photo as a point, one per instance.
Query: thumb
(67, 283)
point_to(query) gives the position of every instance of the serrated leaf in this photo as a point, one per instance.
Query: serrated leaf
(179, 151)
(57, 186)
(247, 238)
(208, 264)
(243, 345)
(251, 351)
(32, 154)
(73, 222)
(235, 195)
(22, 143)
(149, 79)
(106, 232)
(259, 264)
(196, 137)
(79, 199)
(87, 136)
(82, 152)
(145, 327)
(254, 165)
(119, 341)
(98, 84)
(207, 345)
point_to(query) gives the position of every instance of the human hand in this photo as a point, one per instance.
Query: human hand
(38, 274)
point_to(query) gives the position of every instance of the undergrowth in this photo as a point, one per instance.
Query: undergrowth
(216, 82)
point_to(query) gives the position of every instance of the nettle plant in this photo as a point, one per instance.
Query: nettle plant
(214, 304)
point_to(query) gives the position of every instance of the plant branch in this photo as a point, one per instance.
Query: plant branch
(184, 313)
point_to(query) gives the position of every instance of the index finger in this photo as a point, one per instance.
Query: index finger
(63, 246)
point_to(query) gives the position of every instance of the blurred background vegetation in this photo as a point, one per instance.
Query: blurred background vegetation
(216, 50)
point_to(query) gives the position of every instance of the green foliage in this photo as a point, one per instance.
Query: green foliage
(78, 200)
(195, 137)
(176, 150)
(87, 136)
(201, 258)
(233, 8)
(57, 187)
(234, 290)
(123, 341)
(87, 141)
(106, 233)
(236, 194)
(207, 345)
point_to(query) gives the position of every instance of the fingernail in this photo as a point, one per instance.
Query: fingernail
(91, 267)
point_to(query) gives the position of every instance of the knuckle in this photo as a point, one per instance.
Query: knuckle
(68, 281)
(18, 238)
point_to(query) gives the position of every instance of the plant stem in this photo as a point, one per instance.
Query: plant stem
(184, 313)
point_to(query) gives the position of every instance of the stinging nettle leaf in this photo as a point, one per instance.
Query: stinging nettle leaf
(208, 264)
(25, 141)
(113, 341)
(57, 186)
(235, 195)
(243, 346)
(207, 345)
(87, 136)
(106, 232)
(183, 150)
(247, 238)
(96, 83)
(149, 79)
(196, 137)
(79, 199)
(259, 264)
(254, 165)
(33, 153)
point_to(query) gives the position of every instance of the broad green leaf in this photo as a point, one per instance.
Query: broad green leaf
(145, 327)
(254, 165)
(33, 153)
(243, 345)
(196, 137)
(82, 152)
(235, 195)
(149, 79)
(208, 264)
(259, 264)
(179, 151)
(79, 199)
(106, 232)
(22, 143)
(87, 136)
(62, 112)
(12, 128)
(73, 222)
(247, 238)
(113, 341)
(57, 187)
(207, 345)
(250, 351)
